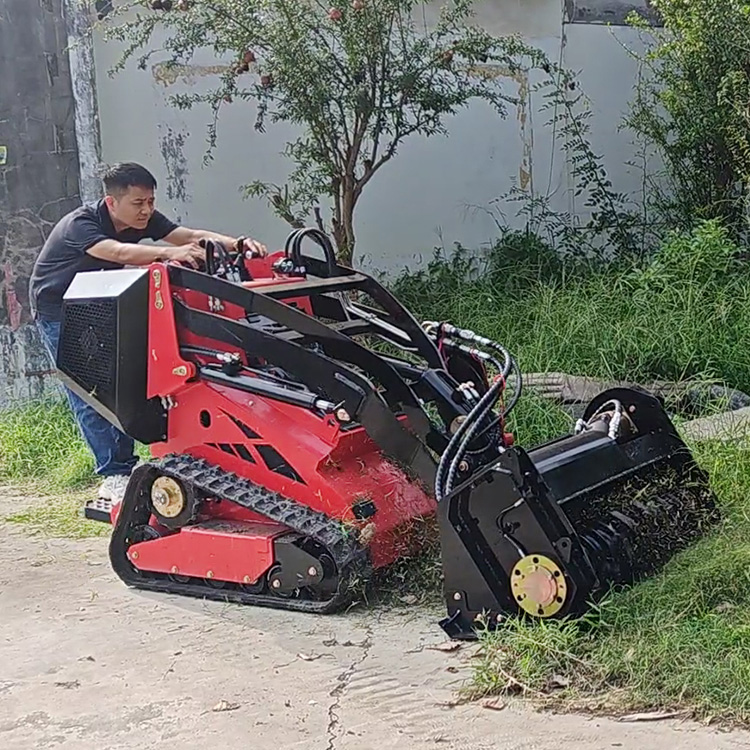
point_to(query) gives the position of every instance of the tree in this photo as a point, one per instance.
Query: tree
(358, 77)
(692, 106)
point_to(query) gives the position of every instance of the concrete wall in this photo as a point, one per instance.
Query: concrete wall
(39, 176)
(436, 191)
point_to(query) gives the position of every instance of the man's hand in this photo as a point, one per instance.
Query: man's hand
(192, 254)
(182, 237)
(255, 248)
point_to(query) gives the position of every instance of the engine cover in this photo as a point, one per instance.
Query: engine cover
(103, 346)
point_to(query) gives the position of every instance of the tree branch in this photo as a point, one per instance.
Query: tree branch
(384, 76)
(319, 219)
(390, 152)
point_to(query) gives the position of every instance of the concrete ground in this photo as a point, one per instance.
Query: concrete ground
(86, 663)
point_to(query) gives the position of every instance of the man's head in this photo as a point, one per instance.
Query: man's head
(129, 194)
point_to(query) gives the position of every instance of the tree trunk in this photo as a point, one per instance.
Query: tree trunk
(347, 252)
(343, 229)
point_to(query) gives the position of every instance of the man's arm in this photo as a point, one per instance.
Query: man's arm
(131, 254)
(184, 236)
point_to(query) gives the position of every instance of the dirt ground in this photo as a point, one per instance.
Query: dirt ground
(87, 663)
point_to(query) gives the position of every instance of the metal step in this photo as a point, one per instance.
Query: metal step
(98, 510)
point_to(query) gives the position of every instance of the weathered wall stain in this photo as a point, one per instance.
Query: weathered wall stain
(168, 73)
(21, 238)
(80, 58)
(523, 113)
(523, 116)
(172, 148)
(15, 311)
(25, 369)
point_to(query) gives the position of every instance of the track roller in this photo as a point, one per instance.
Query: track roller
(173, 504)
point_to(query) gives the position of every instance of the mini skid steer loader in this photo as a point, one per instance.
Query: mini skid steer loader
(303, 424)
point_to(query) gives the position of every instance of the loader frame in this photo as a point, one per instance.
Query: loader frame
(298, 455)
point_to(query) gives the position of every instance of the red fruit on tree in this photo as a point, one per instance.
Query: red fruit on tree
(358, 4)
(266, 80)
(335, 14)
(248, 57)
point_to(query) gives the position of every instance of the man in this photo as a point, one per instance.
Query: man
(101, 236)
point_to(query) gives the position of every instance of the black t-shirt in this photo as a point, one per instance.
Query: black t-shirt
(65, 253)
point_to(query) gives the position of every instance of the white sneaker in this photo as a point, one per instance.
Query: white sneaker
(113, 488)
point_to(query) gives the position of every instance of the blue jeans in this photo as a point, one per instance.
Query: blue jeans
(113, 450)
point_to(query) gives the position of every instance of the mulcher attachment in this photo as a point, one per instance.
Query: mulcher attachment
(545, 532)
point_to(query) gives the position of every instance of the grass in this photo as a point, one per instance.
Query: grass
(683, 315)
(40, 443)
(42, 452)
(59, 515)
(679, 640)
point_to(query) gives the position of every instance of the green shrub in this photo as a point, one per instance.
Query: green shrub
(691, 109)
(683, 314)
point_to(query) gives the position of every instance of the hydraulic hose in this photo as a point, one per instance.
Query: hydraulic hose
(469, 429)
(475, 423)
(511, 404)
(473, 419)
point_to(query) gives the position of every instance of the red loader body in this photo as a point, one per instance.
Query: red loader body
(303, 426)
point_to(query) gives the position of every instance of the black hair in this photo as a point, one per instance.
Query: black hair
(119, 177)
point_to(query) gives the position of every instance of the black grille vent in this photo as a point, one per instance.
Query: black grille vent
(276, 462)
(235, 449)
(102, 355)
(89, 349)
(244, 453)
(248, 432)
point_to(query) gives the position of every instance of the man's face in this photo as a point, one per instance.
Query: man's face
(133, 208)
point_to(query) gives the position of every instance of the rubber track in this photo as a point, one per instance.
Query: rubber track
(211, 481)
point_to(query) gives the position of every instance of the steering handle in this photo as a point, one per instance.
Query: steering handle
(292, 247)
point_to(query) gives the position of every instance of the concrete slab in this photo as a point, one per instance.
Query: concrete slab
(88, 664)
